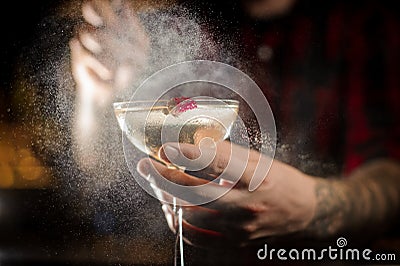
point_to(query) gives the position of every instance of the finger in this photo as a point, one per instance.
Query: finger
(91, 16)
(193, 235)
(90, 43)
(120, 18)
(171, 152)
(103, 10)
(171, 218)
(150, 168)
(231, 162)
(208, 218)
(216, 197)
(88, 83)
(87, 36)
(81, 57)
(227, 160)
(209, 239)
(123, 57)
(103, 47)
(202, 223)
(205, 218)
(212, 228)
(200, 237)
(195, 163)
(176, 182)
(193, 156)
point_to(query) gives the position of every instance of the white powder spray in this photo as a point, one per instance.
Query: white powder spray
(105, 194)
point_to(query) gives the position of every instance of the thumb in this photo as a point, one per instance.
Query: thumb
(225, 159)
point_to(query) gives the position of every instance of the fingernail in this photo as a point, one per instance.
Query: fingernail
(171, 152)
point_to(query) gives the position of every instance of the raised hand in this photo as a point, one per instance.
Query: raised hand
(108, 51)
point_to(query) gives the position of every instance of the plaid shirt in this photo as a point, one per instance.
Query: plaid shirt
(332, 77)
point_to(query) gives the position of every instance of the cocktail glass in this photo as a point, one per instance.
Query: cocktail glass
(150, 124)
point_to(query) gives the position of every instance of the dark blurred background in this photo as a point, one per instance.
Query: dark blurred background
(18, 22)
(37, 227)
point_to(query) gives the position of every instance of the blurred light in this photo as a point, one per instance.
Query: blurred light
(6, 176)
(7, 152)
(30, 173)
(19, 165)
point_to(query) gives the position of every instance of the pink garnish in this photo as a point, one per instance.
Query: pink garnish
(178, 100)
(179, 105)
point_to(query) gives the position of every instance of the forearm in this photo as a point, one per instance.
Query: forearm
(368, 200)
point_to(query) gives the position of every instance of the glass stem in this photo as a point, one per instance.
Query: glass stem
(178, 258)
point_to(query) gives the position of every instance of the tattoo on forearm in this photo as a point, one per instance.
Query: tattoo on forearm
(367, 200)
